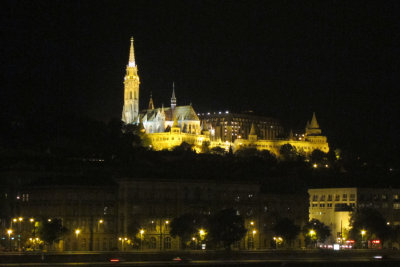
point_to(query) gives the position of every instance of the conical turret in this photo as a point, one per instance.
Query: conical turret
(312, 128)
(314, 123)
(253, 130)
(253, 134)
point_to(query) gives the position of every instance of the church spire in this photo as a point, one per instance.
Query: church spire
(131, 55)
(130, 112)
(151, 103)
(173, 98)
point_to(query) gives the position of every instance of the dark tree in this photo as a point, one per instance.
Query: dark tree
(51, 231)
(286, 229)
(316, 231)
(205, 147)
(317, 156)
(370, 221)
(184, 148)
(288, 152)
(218, 151)
(185, 226)
(226, 227)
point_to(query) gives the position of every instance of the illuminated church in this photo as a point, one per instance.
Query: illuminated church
(168, 127)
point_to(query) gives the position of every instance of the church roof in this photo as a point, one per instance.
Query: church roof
(181, 113)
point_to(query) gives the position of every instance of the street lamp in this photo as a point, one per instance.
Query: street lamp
(363, 232)
(312, 235)
(9, 232)
(141, 238)
(77, 232)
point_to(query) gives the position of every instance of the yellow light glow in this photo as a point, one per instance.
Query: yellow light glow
(31, 220)
(77, 232)
(166, 222)
(312, 232)
(193, 238)
(254, 232)
(101, 221)
(49, 220)
(9, 231)
(15, 220)
(315, 165)
(120, 238)
(142, 232)
(251, 223)
(363, 232)
(125, 238)
(20, 219)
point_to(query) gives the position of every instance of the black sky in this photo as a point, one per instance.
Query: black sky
(284, 59)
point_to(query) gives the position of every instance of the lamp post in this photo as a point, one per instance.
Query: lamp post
(141, 238)
(363, 232)
(77, 232)
(312, 235)
(161, 231)
(99, 223)
(9, 232)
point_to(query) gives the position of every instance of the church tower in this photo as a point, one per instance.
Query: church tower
(130, 112)
(173, 98)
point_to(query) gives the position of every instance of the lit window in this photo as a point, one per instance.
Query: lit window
(396, 206)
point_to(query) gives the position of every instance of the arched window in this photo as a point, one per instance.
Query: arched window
(167, 242)
(152, 244)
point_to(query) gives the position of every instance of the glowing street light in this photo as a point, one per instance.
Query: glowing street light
(9, 232)
(31, 220)
(363, 232)
(20, 219)
(77, 232)
(141, 238)
(101, 221)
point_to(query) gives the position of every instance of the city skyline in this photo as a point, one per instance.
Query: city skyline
(280, 60)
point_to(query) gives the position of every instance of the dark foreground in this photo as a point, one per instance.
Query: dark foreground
(353, 258)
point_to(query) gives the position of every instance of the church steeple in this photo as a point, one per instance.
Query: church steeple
(173, 98)
(151, 104)
(130, 112)
(131, 55)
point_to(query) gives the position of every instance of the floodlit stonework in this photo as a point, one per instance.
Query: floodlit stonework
(168, 127)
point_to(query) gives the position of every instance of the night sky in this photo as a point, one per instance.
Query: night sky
(283, 59)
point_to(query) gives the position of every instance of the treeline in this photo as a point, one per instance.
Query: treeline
(73, 144)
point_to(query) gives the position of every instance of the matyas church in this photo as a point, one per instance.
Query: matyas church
(168, 127)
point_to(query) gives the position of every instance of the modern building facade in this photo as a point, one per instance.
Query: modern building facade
(334, 206)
